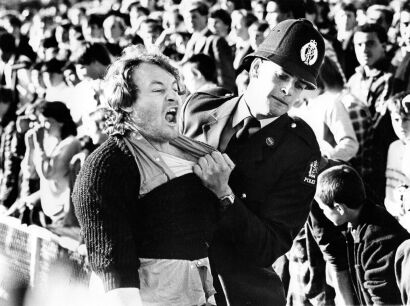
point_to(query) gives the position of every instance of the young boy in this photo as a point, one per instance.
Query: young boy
(397, 199)
(373, 235)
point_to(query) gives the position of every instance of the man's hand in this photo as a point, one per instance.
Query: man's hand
(214, 170)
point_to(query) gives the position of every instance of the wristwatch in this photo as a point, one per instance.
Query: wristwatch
(227, 201)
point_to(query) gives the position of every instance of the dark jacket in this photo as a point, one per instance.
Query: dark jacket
(402, 269)
(274, 183)
(371, 256)
(218, 49)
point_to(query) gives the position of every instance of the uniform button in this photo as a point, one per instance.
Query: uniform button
(157, 159)
(293, 125)
(243, 195)
(270, 141)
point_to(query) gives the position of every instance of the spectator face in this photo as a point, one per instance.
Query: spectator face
(84, 71)
(171, 20)
(217, 27)
(273, 90)
(405, 27)
(345, 20)
(148, 33)
(368, 48)
(71, 77)
(194, 21)
(401, 125)
(375, 16)
(92, 32)
(274, 15)
(51, 125)
(239, 25)
(62, 35)
(255, 37)
(156, 109)
(259, 11)
(361, 17)
(113, 31)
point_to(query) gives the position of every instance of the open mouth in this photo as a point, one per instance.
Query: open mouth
(171, 115)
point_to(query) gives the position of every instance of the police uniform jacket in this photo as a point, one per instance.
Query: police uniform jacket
(274, 183)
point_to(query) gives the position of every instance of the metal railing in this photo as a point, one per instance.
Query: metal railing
(29, 255)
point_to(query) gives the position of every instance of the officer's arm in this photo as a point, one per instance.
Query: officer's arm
(265, 235)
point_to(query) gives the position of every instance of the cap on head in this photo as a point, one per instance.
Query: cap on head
(296, 46)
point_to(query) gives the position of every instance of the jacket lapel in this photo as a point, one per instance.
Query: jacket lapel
(217, 120)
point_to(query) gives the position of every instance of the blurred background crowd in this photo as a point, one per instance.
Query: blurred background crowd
(54, 55)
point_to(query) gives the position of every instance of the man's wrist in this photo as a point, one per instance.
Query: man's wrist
(227, 201)
(225, 192)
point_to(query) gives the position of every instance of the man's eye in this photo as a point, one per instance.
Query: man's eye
(158, 90)
(300, 86)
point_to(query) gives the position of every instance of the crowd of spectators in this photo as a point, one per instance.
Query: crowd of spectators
(54, 56)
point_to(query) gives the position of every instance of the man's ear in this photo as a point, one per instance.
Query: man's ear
(340, 208)
(127, 109)
(255, 66)
(197, 74)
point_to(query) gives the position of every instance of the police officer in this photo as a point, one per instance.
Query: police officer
(272, 160)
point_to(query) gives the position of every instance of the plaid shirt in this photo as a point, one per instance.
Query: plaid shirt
(362, 125)
(366, 100)
(373, 88)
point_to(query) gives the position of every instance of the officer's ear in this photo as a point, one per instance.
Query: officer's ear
(255, 66)
(196, 73)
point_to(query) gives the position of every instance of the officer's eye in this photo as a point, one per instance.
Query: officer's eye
(300, 85)
(283, 77)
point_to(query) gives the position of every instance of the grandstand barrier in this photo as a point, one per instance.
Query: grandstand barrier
(31, 255)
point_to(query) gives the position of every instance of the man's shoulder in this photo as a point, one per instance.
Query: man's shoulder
(381, 227)
(198, 107)
(111, 154)
(303, 132)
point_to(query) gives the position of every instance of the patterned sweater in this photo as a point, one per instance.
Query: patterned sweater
(173, 221)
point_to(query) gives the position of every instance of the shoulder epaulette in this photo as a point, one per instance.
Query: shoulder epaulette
(299, 127)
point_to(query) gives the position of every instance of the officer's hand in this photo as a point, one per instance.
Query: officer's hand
(214, 170)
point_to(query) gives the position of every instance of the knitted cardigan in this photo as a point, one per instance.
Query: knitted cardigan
(173, 221)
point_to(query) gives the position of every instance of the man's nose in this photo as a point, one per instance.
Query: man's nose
(287, 88)
(173, 96)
